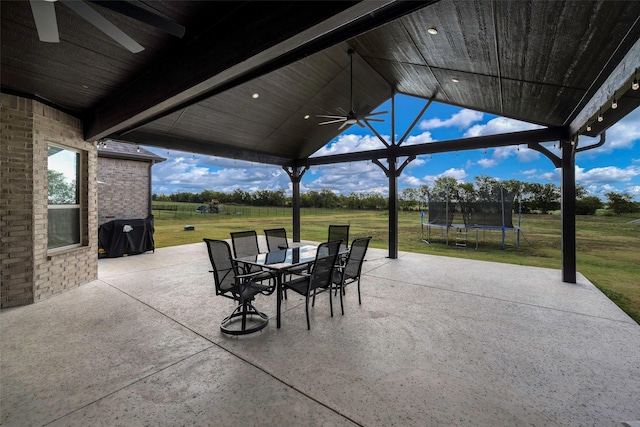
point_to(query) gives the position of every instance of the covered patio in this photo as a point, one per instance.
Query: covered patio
(436, 341)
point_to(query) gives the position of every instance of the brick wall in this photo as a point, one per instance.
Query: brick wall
(30, 272)
(16, 201)
(123, 189)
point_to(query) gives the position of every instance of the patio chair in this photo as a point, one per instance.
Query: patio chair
(242, 288)
(245, 244)
(276, 239)
(350, 271)
(339, 232)
(319, 277)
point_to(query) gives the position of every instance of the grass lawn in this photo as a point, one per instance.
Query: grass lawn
(608, 248)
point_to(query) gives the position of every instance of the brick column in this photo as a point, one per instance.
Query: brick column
(29, 271)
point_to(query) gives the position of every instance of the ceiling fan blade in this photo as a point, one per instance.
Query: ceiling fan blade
(374, 120)
(345, 124)
(44, 15)
(332, 121)
(331, 117)
(143, 15)
(377, 113)
(101, 23)
(359, 123)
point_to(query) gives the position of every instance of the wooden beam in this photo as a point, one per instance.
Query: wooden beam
(201, 147)
(602, 94)
(210, 65)
(463, 144)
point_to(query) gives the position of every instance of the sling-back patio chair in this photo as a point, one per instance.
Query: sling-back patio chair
(319, 277)
(339, 232)
(276, 239)
(350, 271)
(245, 244)
(242, 288)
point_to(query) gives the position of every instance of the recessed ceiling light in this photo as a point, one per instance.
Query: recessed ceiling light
(255, 95)
(432, 31)
(455, 80)
(306, 116)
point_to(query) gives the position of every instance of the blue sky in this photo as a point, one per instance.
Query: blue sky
(612, 167)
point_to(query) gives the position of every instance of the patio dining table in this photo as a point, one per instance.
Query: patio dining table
(280, 262)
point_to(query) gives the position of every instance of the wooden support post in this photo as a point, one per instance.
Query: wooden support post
(295, 175)
(568, 210)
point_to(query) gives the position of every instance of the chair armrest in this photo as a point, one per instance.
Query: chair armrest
(248, 275)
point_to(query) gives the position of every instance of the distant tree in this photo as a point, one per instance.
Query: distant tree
(549, 198)
(487, 188)
(588, 205)
(60, 191)
(161, 197)
(581, 191)
(620, 203)
(444, 188)
(513, 186)
(206, 196)
(409, 199)
(240, 197)
(529, 192)
(328, 199)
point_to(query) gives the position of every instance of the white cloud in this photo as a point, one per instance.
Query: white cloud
(487, 163)
(462, 119)
(349, 143)
(598, 181)
(634, 190)
(623, 134)
(458, 174)
(606, 175)
(411, 181)
(423, 138)
(346, 178)
(499, 125)
(194, 173)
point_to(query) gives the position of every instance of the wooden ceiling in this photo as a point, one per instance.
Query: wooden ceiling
(553, 63)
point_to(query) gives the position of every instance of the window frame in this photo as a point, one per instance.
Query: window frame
(79, 199)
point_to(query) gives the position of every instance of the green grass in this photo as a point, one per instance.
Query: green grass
(608, 249)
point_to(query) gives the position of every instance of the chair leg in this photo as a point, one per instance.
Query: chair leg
(359, 299)
(330, 301)
(341, 293)
(307, 311)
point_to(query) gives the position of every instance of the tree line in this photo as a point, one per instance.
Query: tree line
(530, 197)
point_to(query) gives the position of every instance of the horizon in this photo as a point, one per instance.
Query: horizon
(613, 167)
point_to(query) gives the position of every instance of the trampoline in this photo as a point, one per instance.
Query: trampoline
(489, 211)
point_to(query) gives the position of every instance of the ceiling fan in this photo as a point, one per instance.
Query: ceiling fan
(351, 118)
(44, 15)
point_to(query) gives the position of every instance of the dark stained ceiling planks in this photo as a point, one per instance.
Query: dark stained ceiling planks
(553, 63)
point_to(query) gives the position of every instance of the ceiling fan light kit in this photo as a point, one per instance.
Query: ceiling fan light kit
(351, 118)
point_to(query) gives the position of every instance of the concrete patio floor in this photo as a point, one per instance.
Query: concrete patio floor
(436, 341)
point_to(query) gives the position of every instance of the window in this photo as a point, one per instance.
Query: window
(63, 197)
